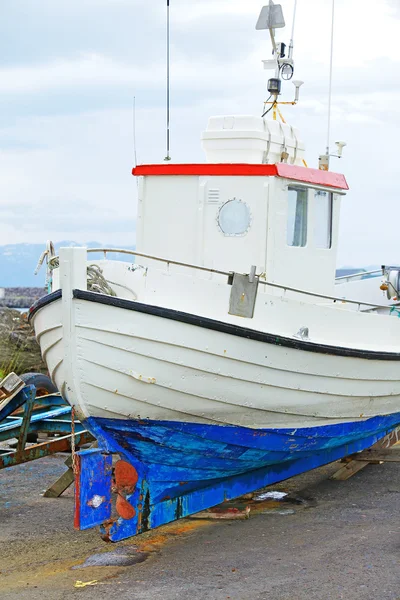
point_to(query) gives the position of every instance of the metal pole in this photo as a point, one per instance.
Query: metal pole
(134, 131)
(168, 86)
(330, 82)
(293, 24)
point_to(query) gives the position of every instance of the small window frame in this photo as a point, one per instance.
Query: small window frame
(304, 215)
(330, 196)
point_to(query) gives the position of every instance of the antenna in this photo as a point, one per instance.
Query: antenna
(330, 81)
(290, 53)
(168, 157)
(323, 160)
(134, 137)
(134, 130)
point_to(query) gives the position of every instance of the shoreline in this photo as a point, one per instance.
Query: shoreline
(20, 297)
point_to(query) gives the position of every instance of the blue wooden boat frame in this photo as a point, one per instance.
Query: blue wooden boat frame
(45, 414)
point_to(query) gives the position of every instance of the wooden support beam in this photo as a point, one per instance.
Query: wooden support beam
(385, 450)
(66, 479)
(391, 455)
(62, 483)
(349, 469)
(9, 387)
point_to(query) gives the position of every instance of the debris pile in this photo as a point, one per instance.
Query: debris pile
(19, 351)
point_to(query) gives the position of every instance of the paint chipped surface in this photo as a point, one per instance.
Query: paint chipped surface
(142, 378)
(96, 501)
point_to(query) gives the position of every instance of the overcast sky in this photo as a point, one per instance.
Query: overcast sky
(69, 70)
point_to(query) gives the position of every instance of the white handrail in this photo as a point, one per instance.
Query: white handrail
(361, 274)
(227, 273)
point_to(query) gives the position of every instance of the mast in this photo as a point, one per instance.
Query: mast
(271, 18)
(168, 157)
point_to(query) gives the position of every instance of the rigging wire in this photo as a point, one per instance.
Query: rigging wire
(330, 81)
(293, 24)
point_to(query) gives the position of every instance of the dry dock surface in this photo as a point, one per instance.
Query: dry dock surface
(335, 540)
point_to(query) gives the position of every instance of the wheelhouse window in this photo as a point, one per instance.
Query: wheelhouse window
(297, 216)
(323, 219)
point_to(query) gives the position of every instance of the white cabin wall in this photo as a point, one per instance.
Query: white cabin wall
(178, 220)
(309, 268)
(167, 217)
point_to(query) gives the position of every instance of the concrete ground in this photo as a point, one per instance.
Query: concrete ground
(342, 541)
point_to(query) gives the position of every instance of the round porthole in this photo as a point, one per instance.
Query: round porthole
(234, 217)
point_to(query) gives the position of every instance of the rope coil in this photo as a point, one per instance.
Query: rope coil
(96, 282)
(73, 448)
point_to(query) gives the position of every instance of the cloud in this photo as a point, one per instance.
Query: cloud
(60, 214)
(70, 69)
(86, 71)
(80, 64)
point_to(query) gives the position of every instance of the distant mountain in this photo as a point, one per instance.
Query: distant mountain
(18, 262)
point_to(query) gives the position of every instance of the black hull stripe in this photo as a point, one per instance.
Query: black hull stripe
(197, 321)
(48, 299)
(244, 332)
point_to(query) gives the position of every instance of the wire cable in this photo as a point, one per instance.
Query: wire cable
(265, 103)
(270, 108)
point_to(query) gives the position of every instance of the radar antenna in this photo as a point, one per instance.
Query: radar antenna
(271, 18)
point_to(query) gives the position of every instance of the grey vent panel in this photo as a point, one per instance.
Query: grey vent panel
(213, 196)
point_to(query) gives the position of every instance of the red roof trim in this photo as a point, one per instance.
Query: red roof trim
(206, 169)
(315, 176)
(303, 174)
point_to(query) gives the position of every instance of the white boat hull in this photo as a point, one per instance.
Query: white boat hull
(119, 362)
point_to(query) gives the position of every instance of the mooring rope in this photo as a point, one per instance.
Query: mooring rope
(96, 282)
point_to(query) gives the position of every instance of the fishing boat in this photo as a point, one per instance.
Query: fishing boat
(218, 358)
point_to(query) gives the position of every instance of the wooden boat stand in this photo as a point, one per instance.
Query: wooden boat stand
(383, 451)
(23, 417)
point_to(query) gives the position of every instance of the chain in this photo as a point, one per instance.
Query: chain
(73, 449)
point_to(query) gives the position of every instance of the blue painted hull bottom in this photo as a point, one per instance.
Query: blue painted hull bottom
(186, 467)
